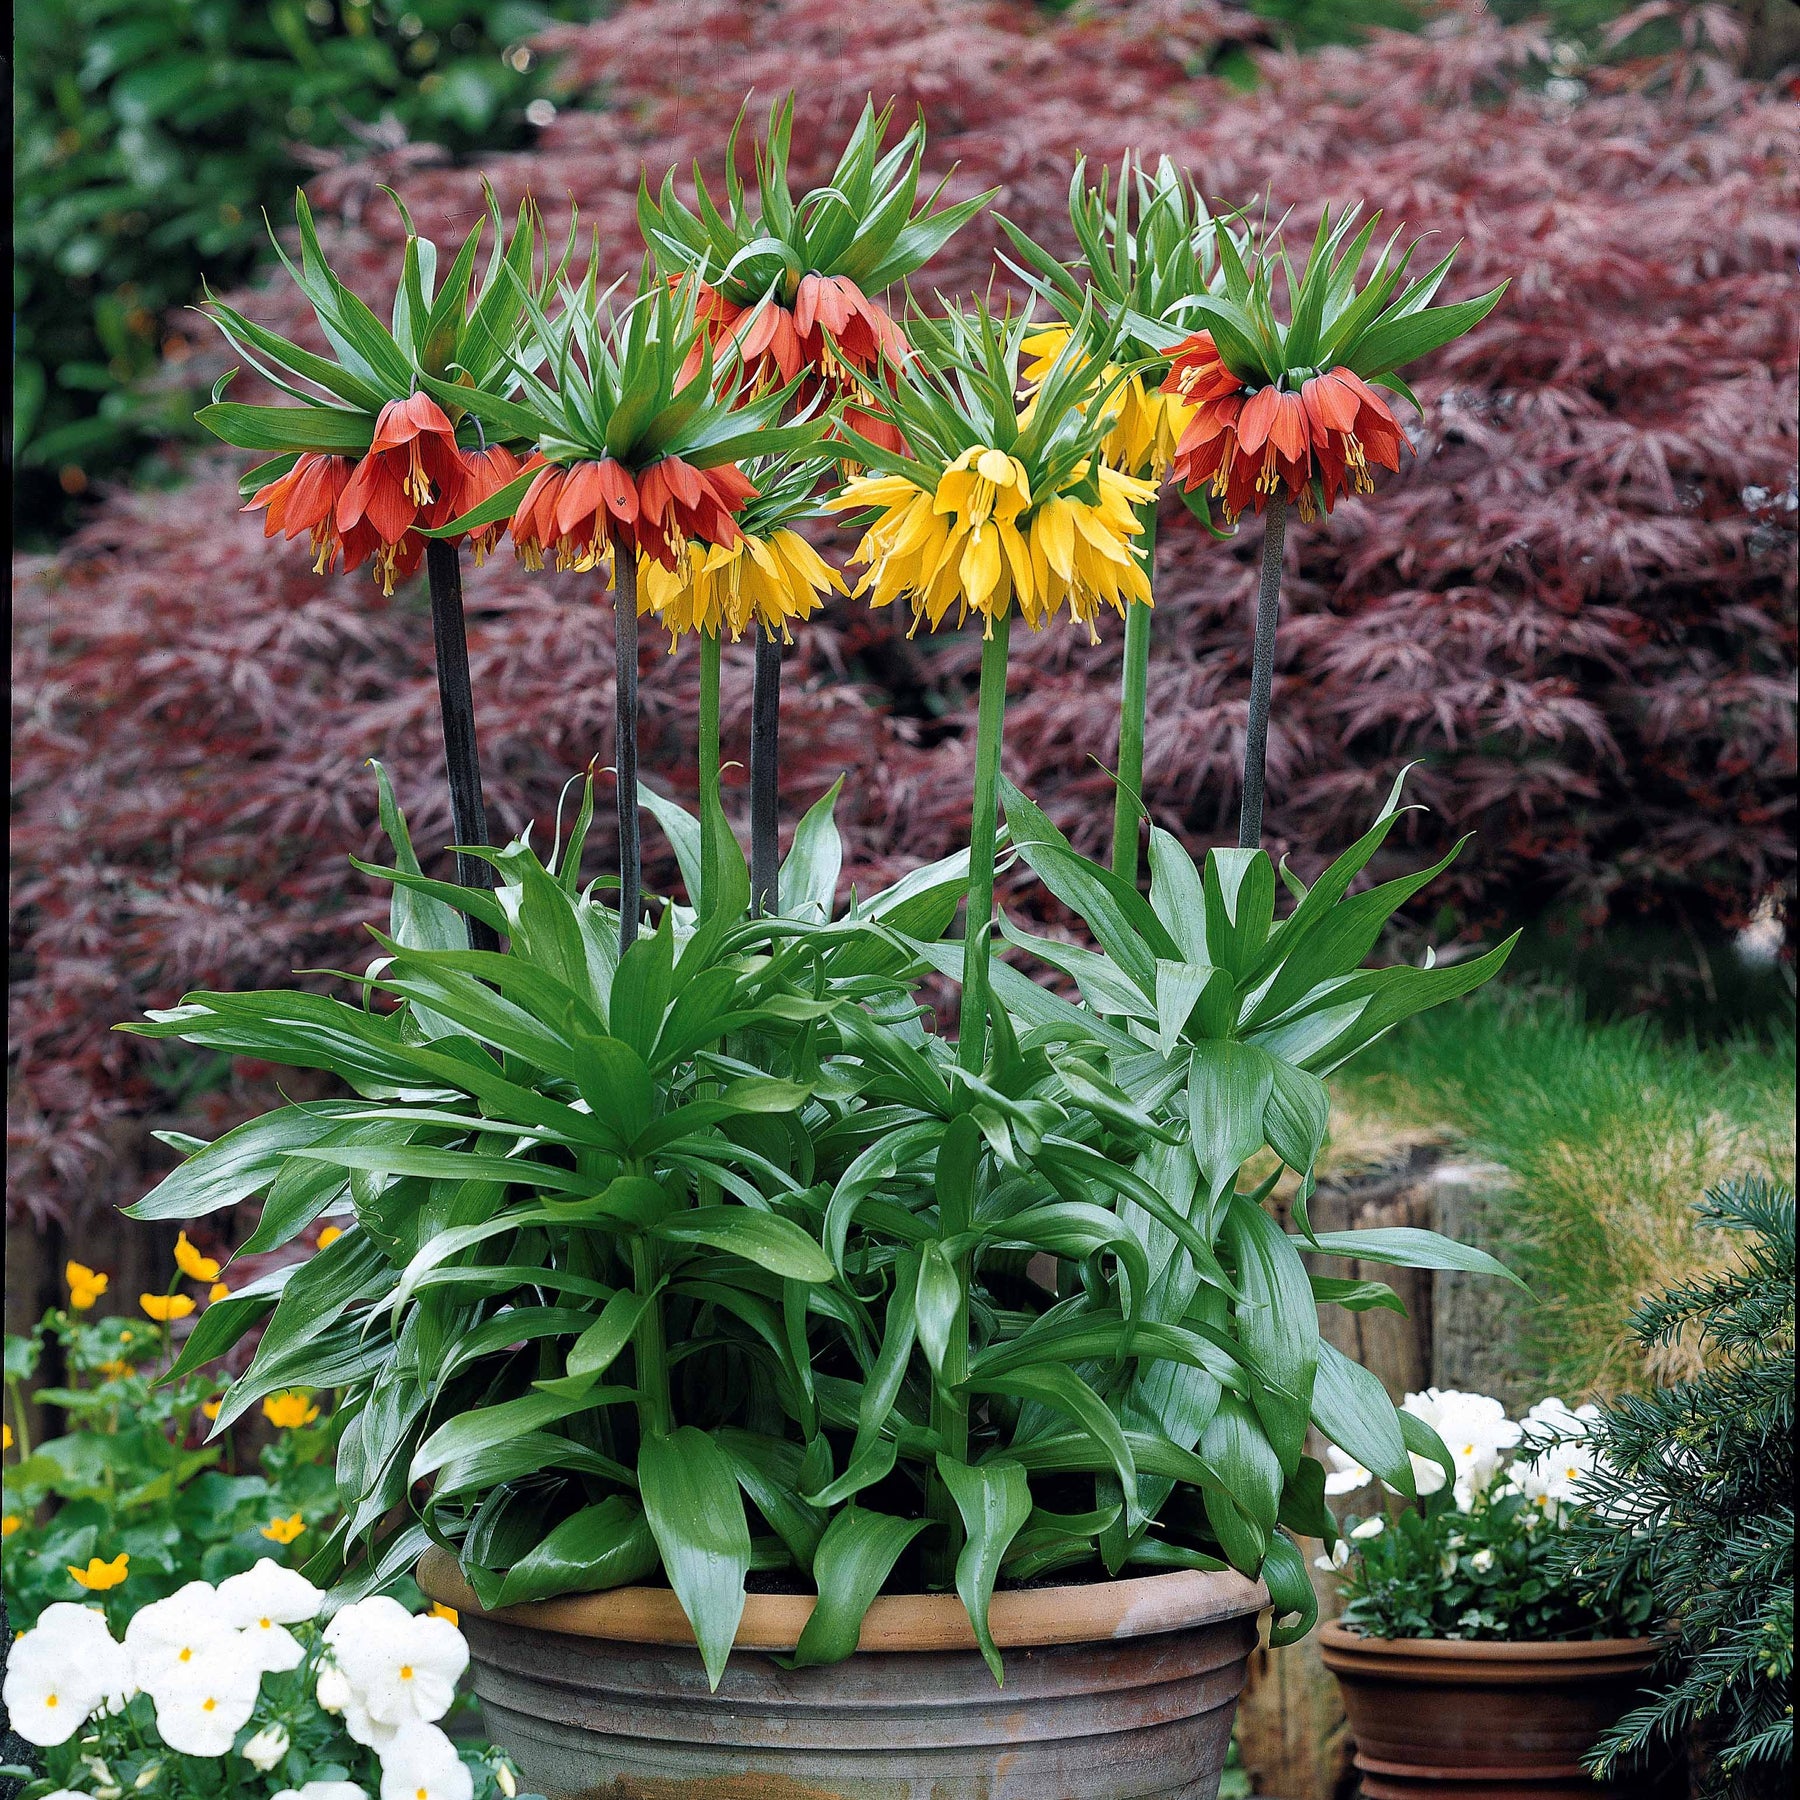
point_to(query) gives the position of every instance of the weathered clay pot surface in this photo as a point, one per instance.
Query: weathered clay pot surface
(1117, 1691)
(1478, 1721)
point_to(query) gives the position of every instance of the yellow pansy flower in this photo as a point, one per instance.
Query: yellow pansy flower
(284, 1531)
(981, 541)
(290, 1410)
(440, 1611)
(85, 1285)
(192, 1264)
(165, 1307)
(98, 1576)
(217, 1292)
(9, 1524)
(1147, 424)
(6, 1439)
(768, 580)
(116, 1368)
(212, 1408)
(330, 1235)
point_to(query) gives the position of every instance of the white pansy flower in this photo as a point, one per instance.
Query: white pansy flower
(422, 1764)
(67, 1794)
(168, 1637)
(1346, 1473)
(1369, 1528)
(332, 1691)
(1339, 1556)
(200, 1710)
(266, 1748)
(1475, 1430)
(323, 1790)
(401, 1668)
(1482, 1561)
(105, 1783)
(262, 1602)
(60, 1673)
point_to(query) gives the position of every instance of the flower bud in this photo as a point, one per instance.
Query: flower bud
(266, 1748)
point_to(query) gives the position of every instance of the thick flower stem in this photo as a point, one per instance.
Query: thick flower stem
(710, 799)
(765, 798)
(1133, 707)
(971, 1043)
(649, 1347)
(1262, 676)
(625, 710)
(456, 702)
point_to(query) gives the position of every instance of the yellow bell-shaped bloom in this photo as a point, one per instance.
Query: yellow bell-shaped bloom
(1147, 424)
(980, 541)
(770, 581)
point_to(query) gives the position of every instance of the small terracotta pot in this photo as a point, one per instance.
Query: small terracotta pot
(1121, 1690)
(1478, 1721)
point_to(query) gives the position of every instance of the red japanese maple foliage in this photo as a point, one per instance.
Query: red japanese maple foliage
(1574, 606)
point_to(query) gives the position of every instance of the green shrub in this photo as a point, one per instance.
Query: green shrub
(1695, 1497)
(150, 135)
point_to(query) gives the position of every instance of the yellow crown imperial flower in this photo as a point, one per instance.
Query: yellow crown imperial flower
(85, 1285)
(98, 1576)
(165, 1307)
(289, 1411)
(192, 1264)
(982, 541)
(1147, 423)
(284, 1531)
(766, 580)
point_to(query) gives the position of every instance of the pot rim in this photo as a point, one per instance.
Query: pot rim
(1025, 1618)
(1345, 1641)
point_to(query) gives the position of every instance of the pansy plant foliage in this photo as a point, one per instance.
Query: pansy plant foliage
(382, 444)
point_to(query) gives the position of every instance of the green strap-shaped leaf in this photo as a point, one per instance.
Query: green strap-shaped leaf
(241, 1163)
(766, 1239)
(1277, 1322)
(1290, 1590)
(696, 1514)
(994, 1498)
(855, 1556)
(1057, 1386)
(1228, 1095)
(1352, 1409)
(490, 1427)
(603, 1546)
(1410, 1247)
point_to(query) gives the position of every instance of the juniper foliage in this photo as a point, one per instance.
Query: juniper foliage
(1695, 1496)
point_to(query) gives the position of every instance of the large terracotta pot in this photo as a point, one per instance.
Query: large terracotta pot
(1123, 1690)
(1482, 1721)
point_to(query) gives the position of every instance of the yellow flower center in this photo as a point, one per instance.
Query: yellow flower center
(208, 1704)
(406, 1671)
(49, 1699)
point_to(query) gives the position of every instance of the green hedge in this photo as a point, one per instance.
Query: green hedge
(149, 137)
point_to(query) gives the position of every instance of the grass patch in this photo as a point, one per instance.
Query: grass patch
(1613, 1131)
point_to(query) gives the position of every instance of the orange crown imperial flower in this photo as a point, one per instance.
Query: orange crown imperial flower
(1250, 442)
(568, 514)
